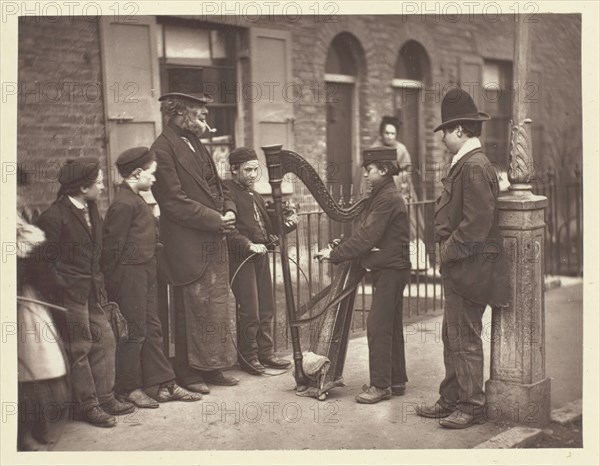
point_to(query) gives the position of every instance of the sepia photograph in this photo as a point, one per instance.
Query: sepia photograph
(299, 231)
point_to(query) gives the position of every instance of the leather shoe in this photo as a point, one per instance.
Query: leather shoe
(397, 390)
(174, 392)
(116, 407)
(373, 395)
(275, 362)
(461, 420)
(435, 411)
(96, 416)
(198, 387)
(218, 378)
(140, 399)
(252, 367)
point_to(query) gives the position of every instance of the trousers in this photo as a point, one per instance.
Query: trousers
(385, 332)
(253, 291)
(140, 361)
(462, 387)
(91, 347)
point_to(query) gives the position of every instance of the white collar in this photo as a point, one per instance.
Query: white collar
(468, 146)
(77, 204)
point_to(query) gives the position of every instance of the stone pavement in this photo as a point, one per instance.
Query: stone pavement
(263, 413)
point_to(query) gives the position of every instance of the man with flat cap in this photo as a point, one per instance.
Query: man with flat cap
(128, 263)
(380, 238)
(196, 214)
(473, 265)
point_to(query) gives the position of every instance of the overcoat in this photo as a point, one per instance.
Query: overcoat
(130, 234)
(72, 250)
(190, 212)
(466, 227)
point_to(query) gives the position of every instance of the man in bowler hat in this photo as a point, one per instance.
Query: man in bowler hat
(473, 266)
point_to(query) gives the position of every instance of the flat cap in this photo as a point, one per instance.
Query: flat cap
(79, 172)
(241, 154)
(198, 98)
(133, 158)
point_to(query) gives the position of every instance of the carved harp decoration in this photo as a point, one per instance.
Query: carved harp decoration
(336, 304)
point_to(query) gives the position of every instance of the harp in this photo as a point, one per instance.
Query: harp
(335, 303)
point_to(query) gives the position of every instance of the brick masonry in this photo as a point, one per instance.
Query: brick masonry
(68, 50)
(60, 109)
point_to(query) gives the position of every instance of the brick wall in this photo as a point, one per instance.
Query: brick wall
(68, 51)
(555, 65)
(556, 109)
(60, 110)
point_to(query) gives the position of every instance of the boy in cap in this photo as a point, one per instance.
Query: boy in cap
(380, 238)
(73, 230)
(252, 284)
(129, 265)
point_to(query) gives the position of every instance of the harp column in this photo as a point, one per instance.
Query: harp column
(275, 169)
(518, 390)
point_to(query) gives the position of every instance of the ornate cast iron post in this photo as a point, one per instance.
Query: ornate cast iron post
(518, 389)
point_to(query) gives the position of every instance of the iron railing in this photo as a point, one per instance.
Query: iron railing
(422, 295)
(564, 222)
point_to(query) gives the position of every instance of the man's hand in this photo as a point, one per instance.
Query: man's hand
(323, 254)
(259, 249)
(227, 222)
(291, 221)
(230, 217)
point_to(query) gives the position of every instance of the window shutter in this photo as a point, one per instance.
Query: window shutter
(471, 78)
(271, 93)
(130, 86)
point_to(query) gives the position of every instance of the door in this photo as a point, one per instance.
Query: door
(338, 171)
(409, 114)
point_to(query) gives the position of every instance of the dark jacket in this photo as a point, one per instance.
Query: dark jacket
(383, 226)
(247, 230)
(190, 213)
(466, 226)
(72, 251)
(130, 232)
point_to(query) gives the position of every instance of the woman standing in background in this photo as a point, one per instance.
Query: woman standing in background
(388, 133)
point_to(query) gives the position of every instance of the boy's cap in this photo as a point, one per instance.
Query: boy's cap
(379, 154)
(79, 172)
(134, 158)
(241, 154)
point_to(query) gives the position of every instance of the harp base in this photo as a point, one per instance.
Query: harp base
(318, 393)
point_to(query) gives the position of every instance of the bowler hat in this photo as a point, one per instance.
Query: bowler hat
(379, 154)
(79, 172)
(198, 98)
(241, 154)
(458, 105)
(133, 158)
